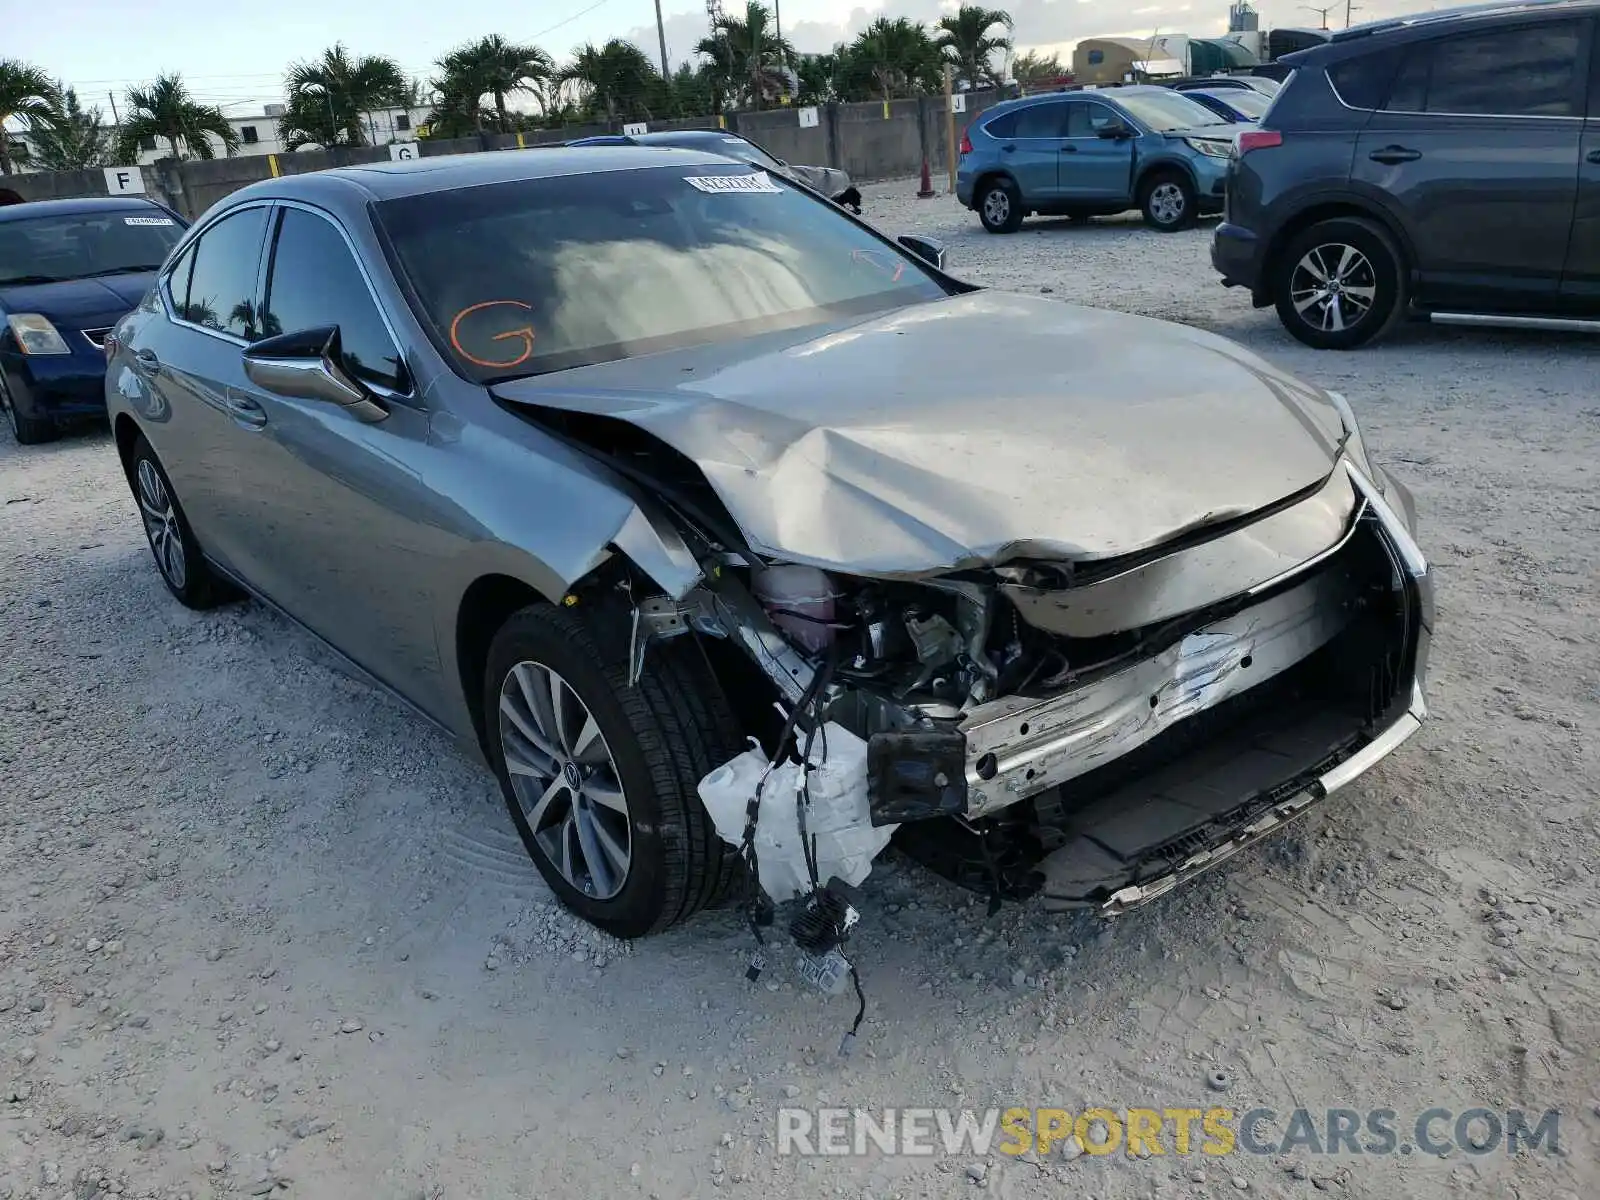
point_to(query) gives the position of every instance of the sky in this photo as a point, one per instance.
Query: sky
(238, 61)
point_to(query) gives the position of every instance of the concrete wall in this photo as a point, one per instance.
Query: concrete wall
(871, 141)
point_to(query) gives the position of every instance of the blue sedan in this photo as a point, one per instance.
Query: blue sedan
(1232, 103)
(69, 271)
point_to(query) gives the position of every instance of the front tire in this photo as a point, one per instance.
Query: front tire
(1168, 201)
(178, 556)
(1000, 206)
(601, 777)
(29, 431)
(1339, 284)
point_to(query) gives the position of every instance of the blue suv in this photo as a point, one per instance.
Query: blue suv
(1094, 153)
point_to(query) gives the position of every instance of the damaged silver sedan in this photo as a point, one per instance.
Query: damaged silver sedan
(741, 540)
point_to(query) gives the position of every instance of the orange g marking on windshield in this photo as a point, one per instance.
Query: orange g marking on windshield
(524, 332)
(870, 257)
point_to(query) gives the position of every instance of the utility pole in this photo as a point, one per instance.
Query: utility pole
(1348, 9)
(1323, 13)
(661, 35)
(950, 125)
(115, 120)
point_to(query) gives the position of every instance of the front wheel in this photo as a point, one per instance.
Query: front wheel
(29, 431)
(1000, 206)
(1168, 202)
(600, 776)
(1338, 284)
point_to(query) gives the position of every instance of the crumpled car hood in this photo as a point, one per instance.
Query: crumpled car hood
(968, 431)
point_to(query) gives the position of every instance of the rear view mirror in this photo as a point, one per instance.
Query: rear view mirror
(925, 248)
(309, 365)
(1115, 130)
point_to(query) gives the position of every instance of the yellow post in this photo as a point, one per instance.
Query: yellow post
(950, 125)
(885, 110)
(521, 145)
(722, 121)
(272, 165)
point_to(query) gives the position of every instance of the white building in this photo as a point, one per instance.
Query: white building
(259, 134)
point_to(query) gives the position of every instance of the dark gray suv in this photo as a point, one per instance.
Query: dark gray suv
(1443, 166)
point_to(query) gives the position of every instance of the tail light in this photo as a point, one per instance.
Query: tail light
(1259, 139)
(966, 142)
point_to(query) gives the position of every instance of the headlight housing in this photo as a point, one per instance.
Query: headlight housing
(1210, 148)
(35, 335)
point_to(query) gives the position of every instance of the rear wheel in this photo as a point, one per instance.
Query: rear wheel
(178, 557)
(1000, 206)
(1339, 284)
(29, 431)
(601, 777)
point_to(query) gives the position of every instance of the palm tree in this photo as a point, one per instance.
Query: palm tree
(27, 95)
(616, 78)
(748, 54)
(70, 138)
(328, 98)
(165, 109)
(965, 40)
(899, 55)
(497, 67)
(1031, 69)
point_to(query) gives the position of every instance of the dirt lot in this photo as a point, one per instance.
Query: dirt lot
(263, 932)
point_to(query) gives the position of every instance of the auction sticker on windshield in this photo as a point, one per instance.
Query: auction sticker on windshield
(715, 184)
(147, 220)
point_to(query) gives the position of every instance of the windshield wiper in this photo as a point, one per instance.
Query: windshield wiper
(16, 279)
(123, 271)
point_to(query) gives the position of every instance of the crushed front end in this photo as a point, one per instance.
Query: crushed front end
(1098, 731)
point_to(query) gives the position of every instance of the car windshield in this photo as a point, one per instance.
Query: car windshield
(1164, 110)
(1245, 100)
(51, 249)
(541, 275)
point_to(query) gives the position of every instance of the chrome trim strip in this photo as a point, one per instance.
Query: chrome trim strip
(1490, 320)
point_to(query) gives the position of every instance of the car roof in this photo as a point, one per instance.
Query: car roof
(687, 137)
(1104, 93)
(29, 209)
(452, 172)
(1415, 26)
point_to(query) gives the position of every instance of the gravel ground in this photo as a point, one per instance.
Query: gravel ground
(263, 932)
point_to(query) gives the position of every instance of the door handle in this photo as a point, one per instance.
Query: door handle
(148, 360)
(1069, 149)
(1390, 155)
(1007, 149)
(246, 411)
(1593, 156)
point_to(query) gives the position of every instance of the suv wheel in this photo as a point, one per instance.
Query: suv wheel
(183, 567)
(29, 431)
(1000, 206)
(600, 777)
(1168, 202)
(1339, 284)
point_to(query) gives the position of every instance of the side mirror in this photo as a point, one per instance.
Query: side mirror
(1115, 131)
(309, 365)
(927, 249)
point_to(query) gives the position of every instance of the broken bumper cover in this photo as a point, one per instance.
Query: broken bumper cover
(1277, 816)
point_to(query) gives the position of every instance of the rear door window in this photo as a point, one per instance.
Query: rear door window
(1534, 71)
(222, 285)
(1043, 121)
(1002, 127)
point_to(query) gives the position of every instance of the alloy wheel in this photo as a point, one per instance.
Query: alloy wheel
(565, 780)
(161, 525)
(1333, 287)
(997, 206)
(1167, 203)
